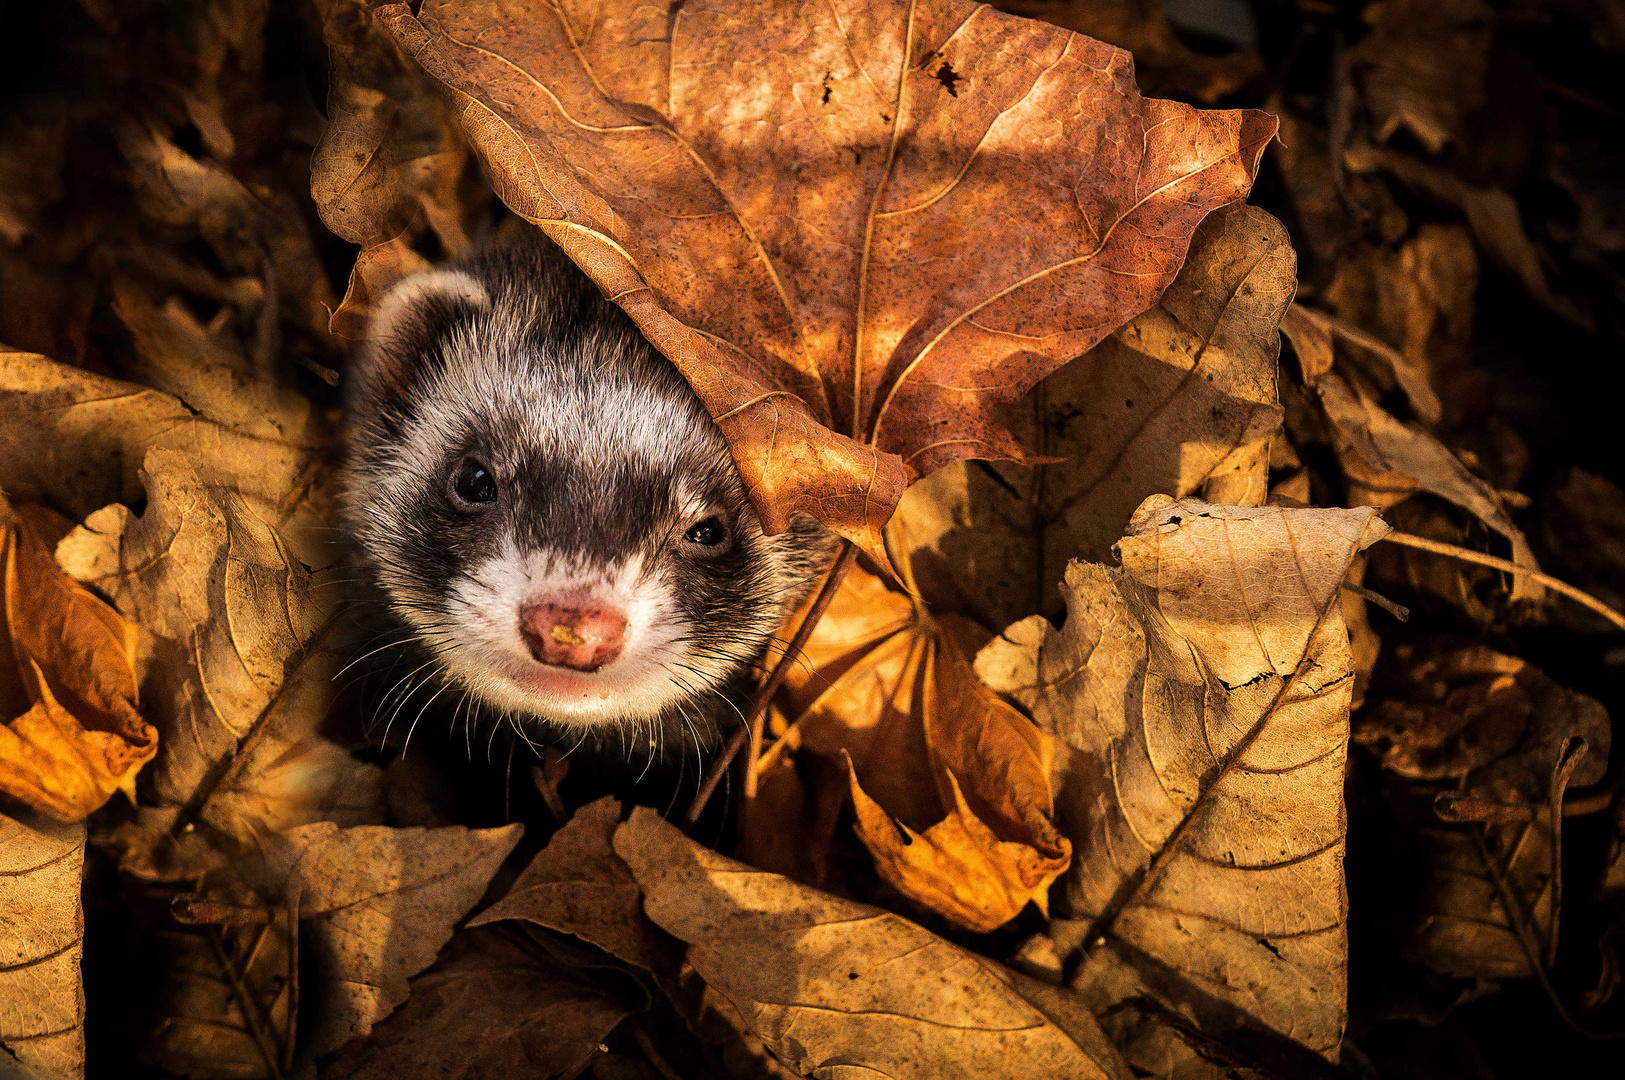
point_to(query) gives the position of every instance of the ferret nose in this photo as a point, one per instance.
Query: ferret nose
(583, 636)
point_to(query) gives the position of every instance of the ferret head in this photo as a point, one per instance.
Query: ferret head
(546, 504)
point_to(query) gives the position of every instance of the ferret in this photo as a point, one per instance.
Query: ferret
(549, 511)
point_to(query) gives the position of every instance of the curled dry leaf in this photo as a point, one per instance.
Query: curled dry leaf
(1200, 695)
(389, 161)
(1496, 729)
(42, 1005)
(836, 988)
(840, 314)
(1181, 401)
(231, 611)
(390, 152)
(1386, 460)
(493, 1005)
(376, 269)
(950, 784)
(72, 733)
(375, 906)
(997, 847)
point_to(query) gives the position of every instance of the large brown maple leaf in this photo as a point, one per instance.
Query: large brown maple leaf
(857, 226)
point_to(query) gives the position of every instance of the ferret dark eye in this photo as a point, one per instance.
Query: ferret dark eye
(710, 533)
(474, 483)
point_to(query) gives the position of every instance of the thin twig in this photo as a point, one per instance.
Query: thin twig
(764, 695)
(291, 910)
(1398, 611)
(1518, 921)
(1468, 555)
(1574, 749)
(251, 1013)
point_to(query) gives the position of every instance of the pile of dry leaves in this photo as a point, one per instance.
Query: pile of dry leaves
(1189, 706)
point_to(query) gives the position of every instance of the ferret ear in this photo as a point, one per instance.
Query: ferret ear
(405, 323)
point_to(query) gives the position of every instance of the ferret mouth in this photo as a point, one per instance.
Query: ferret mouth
(555, 681)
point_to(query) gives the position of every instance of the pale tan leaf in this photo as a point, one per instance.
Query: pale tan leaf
(75, 441)
(837, 989)
(1200, 695)
(42, 1005)
(238, 679)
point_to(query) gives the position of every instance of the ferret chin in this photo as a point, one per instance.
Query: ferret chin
(547, 509)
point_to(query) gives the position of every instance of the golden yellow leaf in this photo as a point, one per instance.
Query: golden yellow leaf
(998, 847)
(950, 784)
(82, 737)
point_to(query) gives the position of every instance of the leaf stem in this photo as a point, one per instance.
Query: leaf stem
(764, 695)
(245, 1002)
(1468, 555)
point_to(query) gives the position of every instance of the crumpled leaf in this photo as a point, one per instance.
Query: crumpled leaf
(230, 610)
(1180, 401)
(997, 848)
(72, 731)
(836, 988)
(1495, 728)
(42, 1005)
(1200, 695)
(1386, 460)
(375, 906)
(493, 1005)
(950, 784)
(390, 152)
(861, 338)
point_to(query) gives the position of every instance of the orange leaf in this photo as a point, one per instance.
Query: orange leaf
(856, 229)
(950, 784)
(998, 847)
(80, 738)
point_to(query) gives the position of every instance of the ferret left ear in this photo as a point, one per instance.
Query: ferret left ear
(401, 332)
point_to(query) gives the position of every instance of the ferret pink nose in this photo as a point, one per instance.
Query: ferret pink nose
(572, 634)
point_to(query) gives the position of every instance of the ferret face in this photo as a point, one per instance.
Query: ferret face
(548, 507)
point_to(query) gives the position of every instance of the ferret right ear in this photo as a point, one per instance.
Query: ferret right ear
(405, 324)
